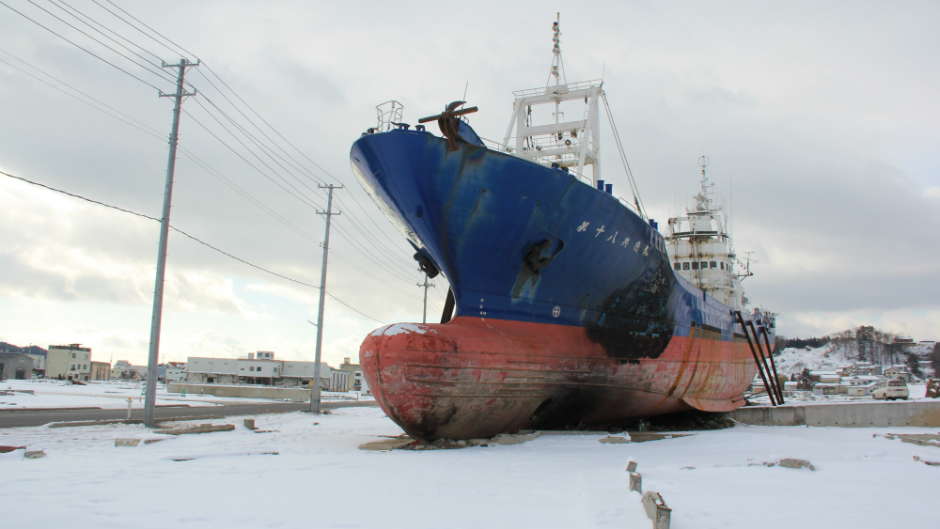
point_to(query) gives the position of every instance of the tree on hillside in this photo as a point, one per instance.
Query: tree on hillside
(935, 360)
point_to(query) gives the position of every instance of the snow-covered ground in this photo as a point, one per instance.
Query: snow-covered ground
(320, 478)
(59, 394)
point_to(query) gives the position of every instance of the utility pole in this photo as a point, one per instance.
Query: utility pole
(151, 391)
(424, 317)
(315, 391)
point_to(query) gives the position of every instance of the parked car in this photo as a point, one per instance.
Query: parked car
(891, 390)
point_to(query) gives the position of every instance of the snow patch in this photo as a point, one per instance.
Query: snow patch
(401, 328)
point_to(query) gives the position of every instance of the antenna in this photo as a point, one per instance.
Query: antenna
(464, 98)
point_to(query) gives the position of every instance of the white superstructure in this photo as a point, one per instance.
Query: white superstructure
(701, 251)
(568, 143)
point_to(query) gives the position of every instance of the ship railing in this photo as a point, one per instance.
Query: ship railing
(389, 115)
(545, 90)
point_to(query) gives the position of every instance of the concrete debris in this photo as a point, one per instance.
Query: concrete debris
(34, 454)
(787, 462)
(126, 442)
(151, 441)
(920, 439)
(404, 442)
(656, 509)
(636, 482)
(933, 388)
(631, 465)
(205, 428)
(250, 424)
(931, 463)
(4, 449)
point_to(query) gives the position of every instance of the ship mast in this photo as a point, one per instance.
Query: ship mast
(568, 145)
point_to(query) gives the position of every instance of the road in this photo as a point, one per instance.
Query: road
(39, 417)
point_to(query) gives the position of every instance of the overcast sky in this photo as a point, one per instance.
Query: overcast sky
(826, 119)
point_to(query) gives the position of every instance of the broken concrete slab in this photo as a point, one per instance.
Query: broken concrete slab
(636, 482)
(205, 428)
(4, 449)
(126, 442)
(631, 465)
(34, 454)
(656, 509)
(612, 439)
(250, 424)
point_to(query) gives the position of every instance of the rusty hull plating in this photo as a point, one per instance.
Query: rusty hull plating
(473, 378)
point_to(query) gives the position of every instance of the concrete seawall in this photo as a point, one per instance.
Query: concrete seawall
(860, 414)
(254, 392)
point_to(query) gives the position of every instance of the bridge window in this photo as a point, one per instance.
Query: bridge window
(685, 266)
(694, 265)
(704, 265)
(677, 266)
(713, 265)
(722, 265)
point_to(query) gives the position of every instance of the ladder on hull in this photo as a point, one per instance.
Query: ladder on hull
(771, 380)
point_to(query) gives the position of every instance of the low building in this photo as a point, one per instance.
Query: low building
(175, 372)
(68, 362)
(822, 389)
(361, 384)
(351, 369)
(861, 390)
(826, 376)
(39, 363)
(898, 372)
(101, 371)
(202, 370)
(16, 366)
(263, 369)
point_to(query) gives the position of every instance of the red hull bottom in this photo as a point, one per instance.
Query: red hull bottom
(472, 378)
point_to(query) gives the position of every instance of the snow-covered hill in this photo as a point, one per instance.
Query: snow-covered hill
(834, 355)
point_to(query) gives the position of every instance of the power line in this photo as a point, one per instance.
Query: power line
(80, 197)
(70, 10)
(214, 173)
(267, 150)
(80, 47)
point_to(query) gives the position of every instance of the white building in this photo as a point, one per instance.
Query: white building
(69, 362)
(360, 383)
(175, 372)
(203, 370)
(262, 368)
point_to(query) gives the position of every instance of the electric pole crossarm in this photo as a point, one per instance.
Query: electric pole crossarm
(157, 316)
(425, 285)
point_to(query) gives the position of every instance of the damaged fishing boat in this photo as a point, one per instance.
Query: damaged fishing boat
(565, 308)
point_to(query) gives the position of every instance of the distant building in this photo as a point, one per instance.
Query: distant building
(39, 363)
(360, 383)
(16, 366)
(351, 369)
(124, 370)
(202, 370)
(100, 371)
(826, 376)
(175, 372)
(898, 372)
(69, 362)
(861, 390)
(262, 368)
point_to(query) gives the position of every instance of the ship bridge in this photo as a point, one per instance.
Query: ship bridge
(701, 249)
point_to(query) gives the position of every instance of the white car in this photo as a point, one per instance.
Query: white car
(891, 390)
